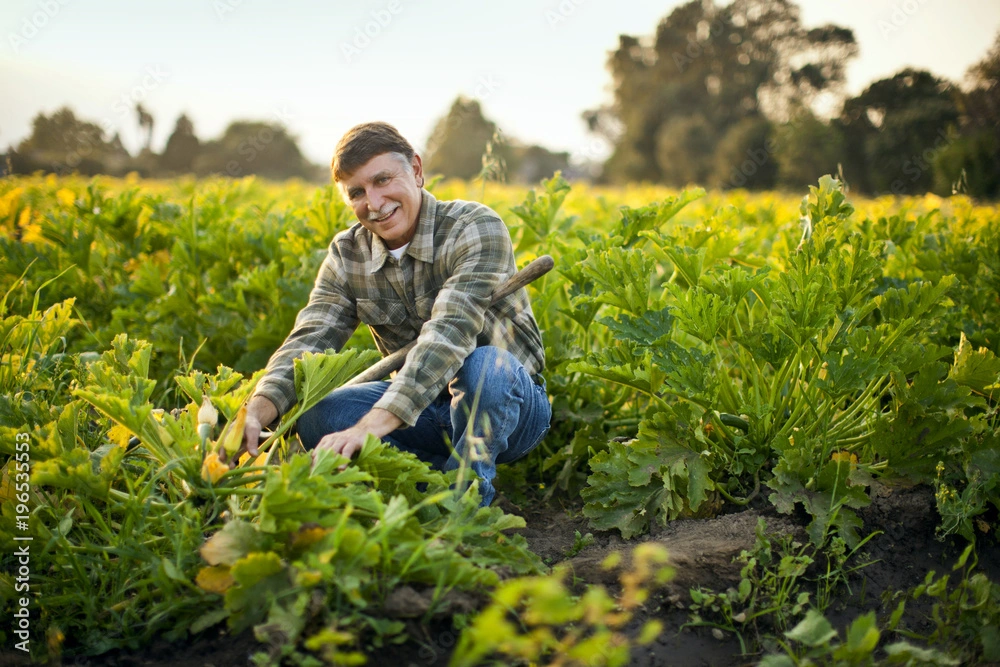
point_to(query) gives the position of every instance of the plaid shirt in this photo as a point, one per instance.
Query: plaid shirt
(438, 292)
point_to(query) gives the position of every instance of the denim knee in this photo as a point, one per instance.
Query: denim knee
(489, 373)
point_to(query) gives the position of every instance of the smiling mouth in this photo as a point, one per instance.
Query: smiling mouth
(384, 217)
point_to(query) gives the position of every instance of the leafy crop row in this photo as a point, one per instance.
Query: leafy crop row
(701, 351)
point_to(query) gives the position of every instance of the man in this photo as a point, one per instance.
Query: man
(416, 268)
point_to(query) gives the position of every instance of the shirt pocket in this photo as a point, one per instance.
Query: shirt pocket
(382, 312)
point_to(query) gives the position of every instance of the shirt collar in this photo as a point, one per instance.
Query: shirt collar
(422, 244)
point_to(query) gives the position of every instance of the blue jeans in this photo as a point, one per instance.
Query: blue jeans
(493, 412)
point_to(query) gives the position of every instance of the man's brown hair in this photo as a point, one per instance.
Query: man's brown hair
(365, 141)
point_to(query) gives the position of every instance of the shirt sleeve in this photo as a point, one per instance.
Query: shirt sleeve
(326, 322)
(481, 256)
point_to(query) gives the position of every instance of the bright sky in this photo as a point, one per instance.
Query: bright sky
(534, 65)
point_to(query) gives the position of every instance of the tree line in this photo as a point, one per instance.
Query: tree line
(63, 143)
(728, 96)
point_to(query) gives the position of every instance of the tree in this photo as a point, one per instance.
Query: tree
(64, 143)
(972, 160)
(182, 147)
(684, 149)
(458, 141)
(894, 129)
(706, 69)
(146, 123)
(530, 164)
(806, 148)
(254, 147)
(744, 157)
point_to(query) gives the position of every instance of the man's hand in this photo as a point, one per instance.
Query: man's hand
(378, 422)
(260, 411)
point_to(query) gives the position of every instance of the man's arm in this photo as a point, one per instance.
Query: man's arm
(326, 322)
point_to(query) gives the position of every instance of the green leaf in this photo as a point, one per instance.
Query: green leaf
(927, 425)
(67, 464)
(262, 580)
(862, 636)
(621, 278)
(814, 630)
(657, 476)
(620, 365)
(827, 200)
(236, 540)
(688, 262)
(316, 375)
(977, 369)
(701, 313)
(294, 495)
(915, 302)
(776, 661)
(635, 221)
(208, 619)
(904, 653)
(646, 331)
(611, 501)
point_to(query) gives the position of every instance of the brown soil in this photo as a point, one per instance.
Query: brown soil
(702, 552)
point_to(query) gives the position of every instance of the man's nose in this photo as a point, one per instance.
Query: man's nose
(375, 201)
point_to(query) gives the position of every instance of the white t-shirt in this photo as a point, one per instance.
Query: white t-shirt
(398, 252)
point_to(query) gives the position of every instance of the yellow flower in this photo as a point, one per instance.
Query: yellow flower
(66, 197)
(8, 203)
(213, 469)
(119, 435)
(844, 457)
(31, 232)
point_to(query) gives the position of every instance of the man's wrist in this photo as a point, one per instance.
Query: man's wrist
(262, 409)
(379, 422)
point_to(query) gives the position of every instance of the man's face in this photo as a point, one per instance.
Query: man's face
(385, 194)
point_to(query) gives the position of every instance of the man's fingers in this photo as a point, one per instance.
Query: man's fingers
(344, 443)
(251, 438)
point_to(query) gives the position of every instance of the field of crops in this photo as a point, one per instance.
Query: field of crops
(796, 363)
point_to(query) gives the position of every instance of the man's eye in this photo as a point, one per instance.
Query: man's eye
(381, 180)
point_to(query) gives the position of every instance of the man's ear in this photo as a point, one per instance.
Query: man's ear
(418, 170)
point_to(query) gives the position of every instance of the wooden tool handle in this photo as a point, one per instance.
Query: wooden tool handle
(533, 271)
